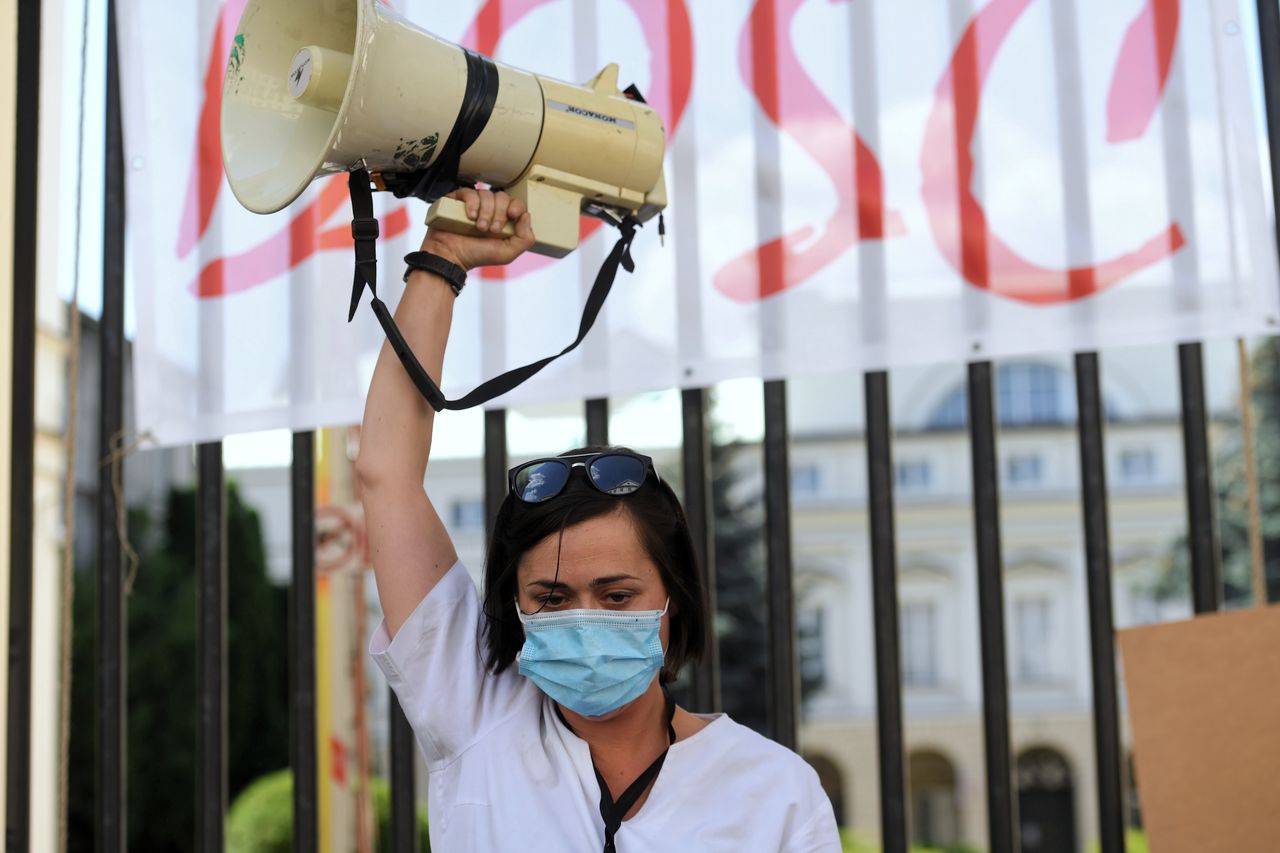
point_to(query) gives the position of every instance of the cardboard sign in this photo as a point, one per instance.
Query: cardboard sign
(1204, 702)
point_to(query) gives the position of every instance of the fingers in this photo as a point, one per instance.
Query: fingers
(524, 230)
(470, 199)
(491, 211)
(501, 201)
(485, 216)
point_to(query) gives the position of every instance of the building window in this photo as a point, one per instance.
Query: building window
(1031, 394)
(934, 800)
(1138, 465)
(1023, 469)
(952, 412)
(919, 644)
(1027, 394)
(1032, 631)
(806, 481)
(914, 475)
(809, 649)
(468, 514)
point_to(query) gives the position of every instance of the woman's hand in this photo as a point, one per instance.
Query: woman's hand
(490, 211)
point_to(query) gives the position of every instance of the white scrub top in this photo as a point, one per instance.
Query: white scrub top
(507, 775)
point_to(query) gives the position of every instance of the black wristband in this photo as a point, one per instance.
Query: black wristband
(455, 275)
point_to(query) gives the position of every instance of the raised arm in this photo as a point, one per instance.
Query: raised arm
(410, 547)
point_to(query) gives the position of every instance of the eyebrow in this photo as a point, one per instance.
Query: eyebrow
(596, 582)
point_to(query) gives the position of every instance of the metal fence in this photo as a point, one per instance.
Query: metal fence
(782, 671)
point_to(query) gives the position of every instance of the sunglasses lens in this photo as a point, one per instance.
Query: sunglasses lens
(541, 481)
(618, 475)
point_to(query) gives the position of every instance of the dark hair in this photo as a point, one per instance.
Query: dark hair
(662, 527)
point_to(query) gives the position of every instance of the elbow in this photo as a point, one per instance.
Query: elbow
(371, 471)
(378, 470)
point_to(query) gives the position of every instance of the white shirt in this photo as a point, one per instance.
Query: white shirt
(507, 775)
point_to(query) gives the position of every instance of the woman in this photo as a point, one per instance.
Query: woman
(543, 716)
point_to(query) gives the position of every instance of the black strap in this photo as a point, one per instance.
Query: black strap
(446, 269)
(440, 178)
(364, 231)
(366, 276)
(611, 811)
(620, 255)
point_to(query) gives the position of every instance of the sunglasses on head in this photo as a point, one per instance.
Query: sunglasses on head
(612, 472)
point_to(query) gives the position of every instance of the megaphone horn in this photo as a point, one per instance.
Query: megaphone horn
(319, 87)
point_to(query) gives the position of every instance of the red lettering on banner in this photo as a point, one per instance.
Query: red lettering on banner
(289, 246)
(957, 218)
(1142, 70)
(669, 35)
(206, 172)
(769, 64)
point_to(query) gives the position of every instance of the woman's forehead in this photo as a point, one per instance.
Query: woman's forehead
(598, 547)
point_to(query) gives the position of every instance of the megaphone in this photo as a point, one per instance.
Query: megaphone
(315, 87)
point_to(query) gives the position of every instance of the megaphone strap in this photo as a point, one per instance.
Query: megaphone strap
(366, 275)
(501, 384)
(364, 234)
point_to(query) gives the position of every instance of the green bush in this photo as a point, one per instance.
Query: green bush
(1135, 841)
(380, 793)
(261, 818)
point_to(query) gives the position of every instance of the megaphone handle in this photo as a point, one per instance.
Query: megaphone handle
(449, 214)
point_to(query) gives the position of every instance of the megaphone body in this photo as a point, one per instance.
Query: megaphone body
(315, 87)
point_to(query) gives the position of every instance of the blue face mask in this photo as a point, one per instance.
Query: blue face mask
(591, 661)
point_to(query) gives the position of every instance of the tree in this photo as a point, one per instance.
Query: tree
(1233, 511)
(161, 730)
(740, 621)
(1232, 496)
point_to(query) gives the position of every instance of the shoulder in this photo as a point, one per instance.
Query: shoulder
(732, 743)
(787, 800)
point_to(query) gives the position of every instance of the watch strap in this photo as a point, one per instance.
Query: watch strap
(455, 275)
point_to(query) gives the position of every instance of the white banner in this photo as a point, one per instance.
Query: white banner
(860, 184)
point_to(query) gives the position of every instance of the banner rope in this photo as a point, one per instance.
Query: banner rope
(119, 451)
(1257, 570)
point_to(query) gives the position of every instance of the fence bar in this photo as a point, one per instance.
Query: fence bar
(1093, 480)
(22, 423)
(211, 649)
(302, 646)
(598, 421)
(784, 688)
(111, 707)
(1001, 808)
(404, 807)
(495, 465)
(884, 593)
(1202, 527)
(1097, 556)
(696, 468)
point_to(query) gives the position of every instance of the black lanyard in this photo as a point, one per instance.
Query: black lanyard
(612, 812)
